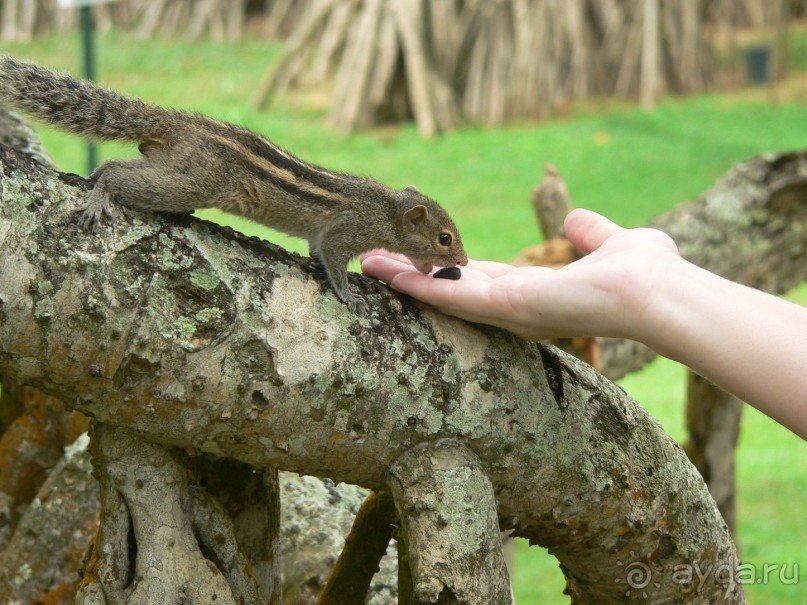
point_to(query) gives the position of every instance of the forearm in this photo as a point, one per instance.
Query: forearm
(752, 344)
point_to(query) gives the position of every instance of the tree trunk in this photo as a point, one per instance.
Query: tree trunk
(154, 528)
(713, 422)
(16, 133)
(448, 509)
(551, 203)
(650, 51)
(177, 332)
(365, 546)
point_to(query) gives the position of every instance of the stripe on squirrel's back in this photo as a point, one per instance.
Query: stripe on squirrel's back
(261, 147)
(277, 174)
(79, 106)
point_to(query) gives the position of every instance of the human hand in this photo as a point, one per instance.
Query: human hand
(606, 293)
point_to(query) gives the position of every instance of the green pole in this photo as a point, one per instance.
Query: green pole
(88, 52)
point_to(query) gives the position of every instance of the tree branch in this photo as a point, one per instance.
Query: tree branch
(146, 485)
(365, 546)
(195, 336)
(52, 535)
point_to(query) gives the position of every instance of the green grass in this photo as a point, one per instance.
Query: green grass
(626, 163)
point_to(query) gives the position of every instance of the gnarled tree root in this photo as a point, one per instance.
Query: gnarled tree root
(154, 528)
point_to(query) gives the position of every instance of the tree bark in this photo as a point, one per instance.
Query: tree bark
(146, 550)
(30, 447)
(16, 133)
(40, 564)
(191, 336)
(447, 509)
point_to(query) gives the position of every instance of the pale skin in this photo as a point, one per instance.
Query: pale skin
(633, 283)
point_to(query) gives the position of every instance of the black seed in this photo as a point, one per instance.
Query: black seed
(448, 273)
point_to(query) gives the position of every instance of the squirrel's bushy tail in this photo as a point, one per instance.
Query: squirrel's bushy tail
(79, 106)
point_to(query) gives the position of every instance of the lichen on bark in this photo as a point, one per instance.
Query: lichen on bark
(192, 336)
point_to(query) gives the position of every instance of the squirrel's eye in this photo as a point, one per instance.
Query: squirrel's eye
(444, 239)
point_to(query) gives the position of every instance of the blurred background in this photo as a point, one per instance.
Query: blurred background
(640, 104)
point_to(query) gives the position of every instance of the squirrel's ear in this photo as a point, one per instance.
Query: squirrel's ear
(413, 189)
(415, 216)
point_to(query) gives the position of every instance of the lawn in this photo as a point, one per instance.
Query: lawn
(628, 164)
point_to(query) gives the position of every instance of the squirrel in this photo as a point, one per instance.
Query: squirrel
(189, 161)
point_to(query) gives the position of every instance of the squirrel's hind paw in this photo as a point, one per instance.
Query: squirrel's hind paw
(99, 205)
(317, 266)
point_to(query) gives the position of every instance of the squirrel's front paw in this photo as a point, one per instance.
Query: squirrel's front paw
(358, 305)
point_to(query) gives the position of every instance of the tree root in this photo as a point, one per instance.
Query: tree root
(448, 515)
(146, 550)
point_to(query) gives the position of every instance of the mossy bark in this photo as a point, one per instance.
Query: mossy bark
(448, 510)
(192, 336)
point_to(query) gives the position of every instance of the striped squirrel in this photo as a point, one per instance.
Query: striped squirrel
(189, 161)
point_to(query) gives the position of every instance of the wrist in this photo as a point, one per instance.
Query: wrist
(696, 318)
(668, 310)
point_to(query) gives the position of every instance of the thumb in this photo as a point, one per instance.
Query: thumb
(588, 230)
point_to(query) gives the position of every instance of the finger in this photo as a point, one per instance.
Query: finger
(471, 300)
(403, 277)
(380, 252)
(448, 295)
(385, 267)
(492, 268)
(588, 230)
(489, 268)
